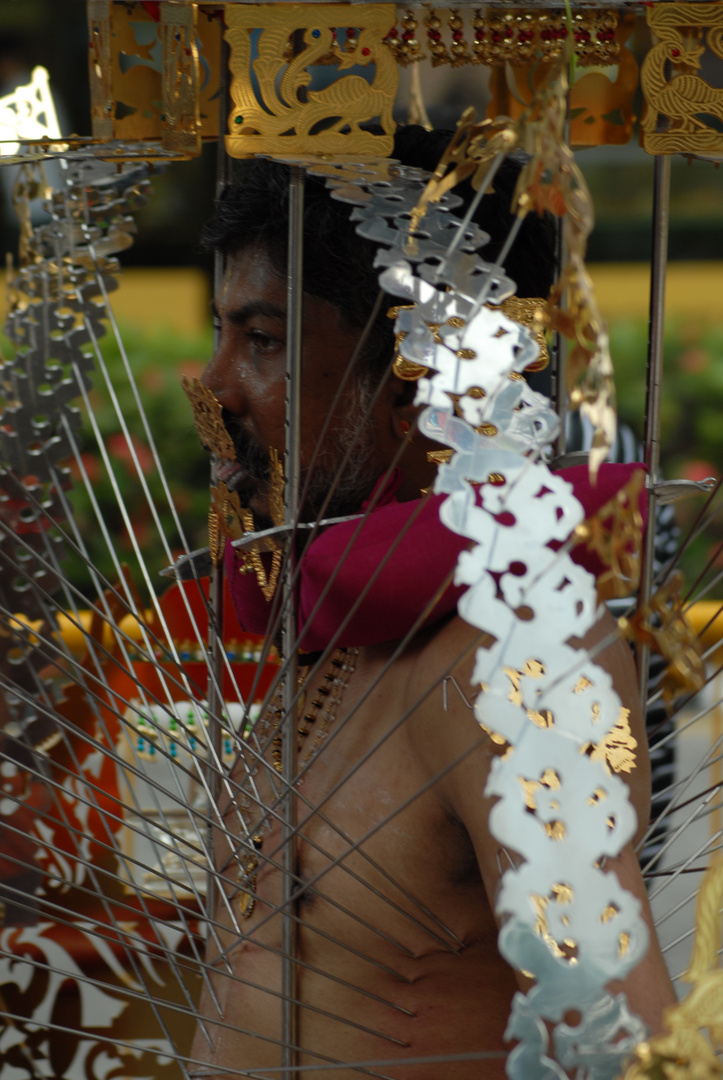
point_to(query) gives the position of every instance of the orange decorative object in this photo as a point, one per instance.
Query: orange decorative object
(601, 97)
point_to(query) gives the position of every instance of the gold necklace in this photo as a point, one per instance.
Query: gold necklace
(323, 707)
(324, 703)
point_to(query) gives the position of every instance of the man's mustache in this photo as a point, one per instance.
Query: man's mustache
(254, 458)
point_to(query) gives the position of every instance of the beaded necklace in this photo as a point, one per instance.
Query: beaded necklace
(324, 704)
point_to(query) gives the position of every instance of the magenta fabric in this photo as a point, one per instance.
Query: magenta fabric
(406, 557)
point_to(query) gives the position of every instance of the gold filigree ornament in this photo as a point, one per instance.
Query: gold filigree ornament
(682, 1052)
(275, 108)
(207, 410)
(661, 624)
(227, 518)
(615, 535)
(678, 100)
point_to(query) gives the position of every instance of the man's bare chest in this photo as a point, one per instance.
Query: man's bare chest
(374, 855)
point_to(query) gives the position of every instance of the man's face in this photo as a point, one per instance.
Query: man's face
(247, 375)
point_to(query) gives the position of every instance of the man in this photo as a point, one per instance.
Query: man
(397, 968)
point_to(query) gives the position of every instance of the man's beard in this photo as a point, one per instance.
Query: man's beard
(333, 489)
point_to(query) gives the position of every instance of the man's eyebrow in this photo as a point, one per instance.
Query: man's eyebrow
(248, 311)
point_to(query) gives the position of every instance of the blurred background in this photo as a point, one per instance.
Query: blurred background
(162, 305)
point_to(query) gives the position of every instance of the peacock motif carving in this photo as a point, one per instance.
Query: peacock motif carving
(270, 92)
(677, 97)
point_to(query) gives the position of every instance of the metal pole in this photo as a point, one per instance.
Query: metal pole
(215, 622)
(294, 292)
(659, 259)
(560, 345)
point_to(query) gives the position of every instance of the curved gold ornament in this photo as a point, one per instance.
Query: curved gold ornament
(615, 535)
(677, 97)
(682, 1052)
(284, 117)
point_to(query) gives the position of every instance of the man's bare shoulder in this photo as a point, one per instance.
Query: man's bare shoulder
(447, 650)
(444, 729)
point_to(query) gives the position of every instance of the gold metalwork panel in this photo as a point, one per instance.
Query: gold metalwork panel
(679, 101)
(155, 73)
(304, 80)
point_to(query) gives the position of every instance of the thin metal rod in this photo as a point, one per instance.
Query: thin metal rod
(294, 292)
(216, 653)
(659, 259)
(560, 350)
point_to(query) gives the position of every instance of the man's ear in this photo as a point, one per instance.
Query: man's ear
(404, 412)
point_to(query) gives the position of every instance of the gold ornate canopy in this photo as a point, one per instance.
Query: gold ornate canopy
(155, 74)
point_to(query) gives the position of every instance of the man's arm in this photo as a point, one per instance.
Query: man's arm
(455, 735)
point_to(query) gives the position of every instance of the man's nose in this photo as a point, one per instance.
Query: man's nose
(225, 383)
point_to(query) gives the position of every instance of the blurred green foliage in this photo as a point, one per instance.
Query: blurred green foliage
(120, 471)
(691, 428)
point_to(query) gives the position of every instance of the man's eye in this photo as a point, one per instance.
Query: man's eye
(262, 342)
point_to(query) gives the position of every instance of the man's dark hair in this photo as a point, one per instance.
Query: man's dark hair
(338, 263)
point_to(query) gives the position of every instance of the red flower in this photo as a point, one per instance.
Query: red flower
(119, 448)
